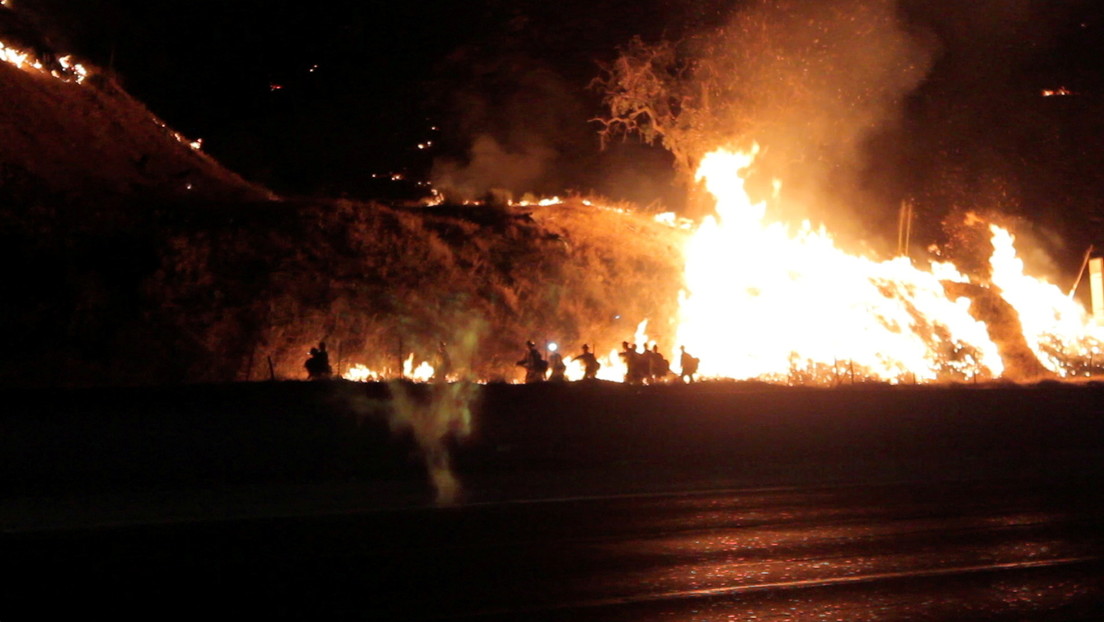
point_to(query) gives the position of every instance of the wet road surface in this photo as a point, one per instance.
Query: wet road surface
(997, 550)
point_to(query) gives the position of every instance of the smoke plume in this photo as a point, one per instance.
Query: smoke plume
(433, 418)
(816, 81)
(492, 168)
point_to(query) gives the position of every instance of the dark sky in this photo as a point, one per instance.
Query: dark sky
(361, 85)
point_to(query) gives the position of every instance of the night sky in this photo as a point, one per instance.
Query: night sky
(314, 98)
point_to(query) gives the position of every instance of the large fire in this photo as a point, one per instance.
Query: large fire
(764, 301)
(770, 303)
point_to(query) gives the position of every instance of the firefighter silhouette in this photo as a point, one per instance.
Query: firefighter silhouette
(556, 364)
(658, 366)
(689, 365)
(535, 365)
(590, 363)
(318, 363)
(443, 366)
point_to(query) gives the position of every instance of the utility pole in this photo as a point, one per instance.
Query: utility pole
(1081, 272)
(1096, 283)
(904, 228)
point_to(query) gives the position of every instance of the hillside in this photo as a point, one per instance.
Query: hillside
(89, 140)
(132, 257)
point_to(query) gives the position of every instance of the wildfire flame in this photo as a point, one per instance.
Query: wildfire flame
(546, 202)
(613, 367)
(770, 302)
(70, 71)
(423, 372)
(1057, 329)
(766, 302)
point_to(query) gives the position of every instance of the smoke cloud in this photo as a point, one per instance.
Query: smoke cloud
(815, 82)
(492, 168)
(512, 120)
(444, 413)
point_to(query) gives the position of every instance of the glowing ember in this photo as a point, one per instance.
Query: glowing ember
(1058, 92)
(75, 69)
(435, 198)
(766, 302)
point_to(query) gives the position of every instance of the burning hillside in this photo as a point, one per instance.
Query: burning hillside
(67, 129)
(767, 302)
(154, 264)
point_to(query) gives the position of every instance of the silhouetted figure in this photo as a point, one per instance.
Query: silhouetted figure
(689, 365)
(590, 363)
(647, 366)
(325, 356)
(443, 366)
(535, 366)
(318, 363)
(556, 364)
(635, 365)
(626, 355)
(658, 367)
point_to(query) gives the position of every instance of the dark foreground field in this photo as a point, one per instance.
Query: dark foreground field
(584, 501)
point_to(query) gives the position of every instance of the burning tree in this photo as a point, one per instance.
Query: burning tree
(666, 94)
(807, 80)
(810, 82)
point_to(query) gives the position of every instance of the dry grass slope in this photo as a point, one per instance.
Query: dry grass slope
(132, 258)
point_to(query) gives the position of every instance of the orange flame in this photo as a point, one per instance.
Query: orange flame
(422, 372)
(765, 302)
(70, 71)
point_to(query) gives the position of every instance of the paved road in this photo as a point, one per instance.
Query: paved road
(1011, 550)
